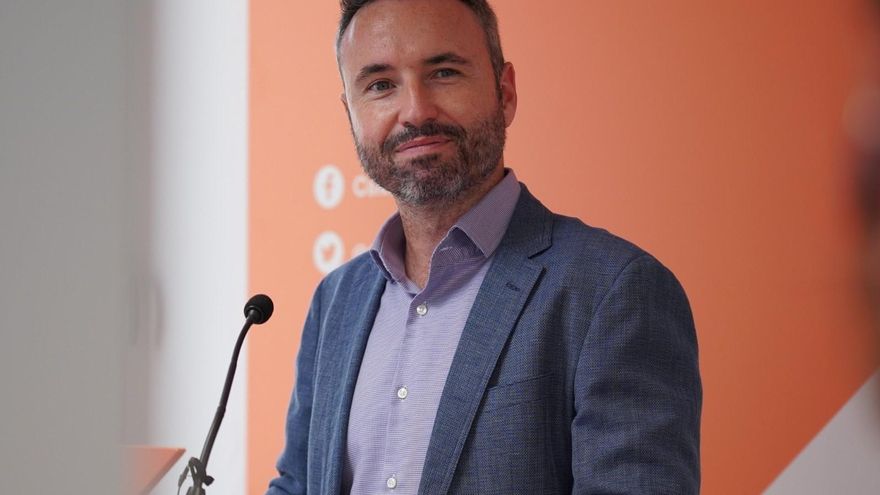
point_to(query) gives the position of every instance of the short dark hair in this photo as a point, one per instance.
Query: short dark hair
(481, 8)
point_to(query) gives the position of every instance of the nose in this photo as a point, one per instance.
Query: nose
(417, 106)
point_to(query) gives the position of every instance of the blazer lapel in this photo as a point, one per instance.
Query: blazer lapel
(346, 351)
(503, 294)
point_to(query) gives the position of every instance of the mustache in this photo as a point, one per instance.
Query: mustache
(453, 132)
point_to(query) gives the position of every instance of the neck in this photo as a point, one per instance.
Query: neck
(424, 226)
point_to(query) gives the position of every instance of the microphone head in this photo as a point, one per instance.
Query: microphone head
(261, 306)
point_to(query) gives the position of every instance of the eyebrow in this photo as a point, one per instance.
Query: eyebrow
(371, 69)
(443, 58)
(447, 58)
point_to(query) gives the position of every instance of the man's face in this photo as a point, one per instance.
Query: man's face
(427, 113)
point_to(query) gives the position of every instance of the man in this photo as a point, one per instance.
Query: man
(484, 345)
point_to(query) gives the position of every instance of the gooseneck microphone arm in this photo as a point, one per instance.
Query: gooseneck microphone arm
(257, 310)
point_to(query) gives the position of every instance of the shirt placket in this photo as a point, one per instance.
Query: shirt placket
(402, 395)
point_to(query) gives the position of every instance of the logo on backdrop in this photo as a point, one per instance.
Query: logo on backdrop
(328, 252)
(364, 187)
(329, 187)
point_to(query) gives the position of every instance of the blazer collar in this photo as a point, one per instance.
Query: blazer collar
(346, 349)
(531, 227)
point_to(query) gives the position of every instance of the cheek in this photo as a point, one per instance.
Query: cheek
(371, 127)
(467, 107)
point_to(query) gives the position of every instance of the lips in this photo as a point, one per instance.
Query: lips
(422, 143)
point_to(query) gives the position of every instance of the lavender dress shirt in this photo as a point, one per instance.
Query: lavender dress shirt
(412, 343)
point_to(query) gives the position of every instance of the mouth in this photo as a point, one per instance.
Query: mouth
(426, 144)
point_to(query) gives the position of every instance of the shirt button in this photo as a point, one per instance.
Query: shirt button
(402, 392)
(422, 309)
(391, 482)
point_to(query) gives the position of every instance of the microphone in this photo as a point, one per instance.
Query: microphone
(257, 311)
(262, 306)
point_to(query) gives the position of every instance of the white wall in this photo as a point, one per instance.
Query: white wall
(64, 252)
(844, 457)
(196, 284)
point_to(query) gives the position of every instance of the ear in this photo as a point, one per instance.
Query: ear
(345, 104)
(508, 93)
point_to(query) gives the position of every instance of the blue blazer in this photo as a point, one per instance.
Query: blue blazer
(576, 372)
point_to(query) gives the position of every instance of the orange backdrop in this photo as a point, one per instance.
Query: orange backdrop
(707, 132)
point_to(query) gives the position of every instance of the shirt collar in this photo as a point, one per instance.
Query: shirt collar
(388, 249)
(483, 225)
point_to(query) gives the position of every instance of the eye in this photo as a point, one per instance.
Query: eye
(444, 73)
(380, 86)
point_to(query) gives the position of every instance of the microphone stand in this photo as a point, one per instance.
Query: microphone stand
(198, 466)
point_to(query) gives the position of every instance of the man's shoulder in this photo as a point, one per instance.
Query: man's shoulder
(582, 254)
(571, 248)
(360, 267)
(351, 274)
(580, 241)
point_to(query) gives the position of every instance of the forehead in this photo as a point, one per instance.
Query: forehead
(397, 31)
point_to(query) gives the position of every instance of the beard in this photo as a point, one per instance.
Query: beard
(431, 179)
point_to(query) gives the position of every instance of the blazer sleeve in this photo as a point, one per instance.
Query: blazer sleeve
(292, 464)
(637, 390)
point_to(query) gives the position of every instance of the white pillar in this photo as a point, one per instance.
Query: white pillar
(197, 255)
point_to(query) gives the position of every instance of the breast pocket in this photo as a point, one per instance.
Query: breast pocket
(519, 392)
(517, 445)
